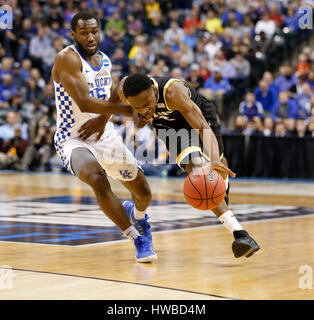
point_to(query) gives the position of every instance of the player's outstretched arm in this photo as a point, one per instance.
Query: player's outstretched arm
(178, 98)
(98, 124)
(68, 71)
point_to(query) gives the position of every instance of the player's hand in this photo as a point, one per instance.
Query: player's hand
(92, 126)
(139, 120)
(222, 169)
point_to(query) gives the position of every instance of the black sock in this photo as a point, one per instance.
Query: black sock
(227, 194)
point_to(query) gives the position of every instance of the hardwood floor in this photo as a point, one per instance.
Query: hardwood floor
(195, 260)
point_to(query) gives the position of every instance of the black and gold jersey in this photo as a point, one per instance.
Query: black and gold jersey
(166, 118)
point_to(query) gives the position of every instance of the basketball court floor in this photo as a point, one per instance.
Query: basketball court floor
(55, 243)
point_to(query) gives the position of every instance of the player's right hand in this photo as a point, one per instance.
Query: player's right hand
(92, 126)
(222, 169)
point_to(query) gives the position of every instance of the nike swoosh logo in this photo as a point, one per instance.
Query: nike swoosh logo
(87, 71)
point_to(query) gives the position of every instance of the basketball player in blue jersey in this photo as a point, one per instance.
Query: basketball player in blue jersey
(171, 104)
(83, 85)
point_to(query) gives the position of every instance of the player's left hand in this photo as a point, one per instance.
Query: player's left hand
(92, 126)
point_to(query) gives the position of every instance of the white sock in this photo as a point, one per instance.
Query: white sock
(131, 233)
(138, 214)
(230, 221)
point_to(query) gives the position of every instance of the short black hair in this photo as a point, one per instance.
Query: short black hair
(85, 15)
(135, 84)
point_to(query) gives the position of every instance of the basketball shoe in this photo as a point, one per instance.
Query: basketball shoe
(143, 249)
(243, 244)
(143, 227)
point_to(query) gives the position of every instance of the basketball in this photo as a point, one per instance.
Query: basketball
(204, 188)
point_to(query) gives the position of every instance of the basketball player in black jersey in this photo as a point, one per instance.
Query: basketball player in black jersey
(171, 104)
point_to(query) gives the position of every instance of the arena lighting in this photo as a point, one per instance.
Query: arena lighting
(286, 30)
(257, 38)
(278, 39)
(259, 55)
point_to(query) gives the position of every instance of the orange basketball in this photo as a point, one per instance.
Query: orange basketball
(204, 188)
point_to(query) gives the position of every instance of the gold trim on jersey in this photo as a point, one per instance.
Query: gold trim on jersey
(155, 83)
(186, 152)
(189, 150)
(168, 83)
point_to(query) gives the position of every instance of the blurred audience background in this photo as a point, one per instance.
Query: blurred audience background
(250, 57)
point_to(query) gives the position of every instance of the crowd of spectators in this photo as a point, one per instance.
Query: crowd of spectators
(281, 107)
(226, 49)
